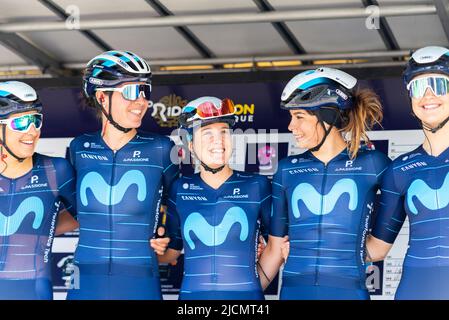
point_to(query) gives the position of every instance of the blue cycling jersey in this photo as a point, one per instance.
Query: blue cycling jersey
(29, 206)
(119, 198)
(416, 185)
(218, 229)
(325, 210)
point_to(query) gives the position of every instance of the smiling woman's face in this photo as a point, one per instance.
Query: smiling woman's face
(127, 114)
(213, 144)
(431, 109)
(305, 128)
(22, 144)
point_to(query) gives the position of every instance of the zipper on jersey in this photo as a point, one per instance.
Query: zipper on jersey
(439, 216)
(110, 213)
(320, 219)
(214, 260)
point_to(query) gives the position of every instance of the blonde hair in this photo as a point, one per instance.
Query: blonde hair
(366, 112)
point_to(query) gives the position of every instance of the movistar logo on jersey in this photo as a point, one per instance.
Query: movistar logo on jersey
(112, 195)
(432, 199)
(320, 204)
(9, 225)
(137, 157)
(215, 235)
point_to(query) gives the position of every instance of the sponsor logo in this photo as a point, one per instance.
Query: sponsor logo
(92, 145)
(31, 205)
(410, 156)
(193, 198)
(210, 235)
(414, 165)
(93, 156)
(191, 186)
(112, 195)
(300, 160)
(236, 195)
(303, 170)
(136, 157)
(34, 183)
(349, 167)
(432, 199)
(341, 94)
(96, 81)
(322, 204)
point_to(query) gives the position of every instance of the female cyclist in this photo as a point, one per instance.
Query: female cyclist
(123, 175)
(215, 215)
(416, 185)
(31, 189)
(323, 198)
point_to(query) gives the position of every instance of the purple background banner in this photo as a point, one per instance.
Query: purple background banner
(257, 105)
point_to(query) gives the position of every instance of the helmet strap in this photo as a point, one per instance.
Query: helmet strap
(2, 143)
(326, 131)
(108, 115)
(435, 129)
(430, 129)
(206, 167)
(214, 171)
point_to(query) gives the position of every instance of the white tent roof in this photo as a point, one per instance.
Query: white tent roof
(29, 25)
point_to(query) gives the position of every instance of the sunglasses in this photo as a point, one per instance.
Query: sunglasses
(23, 123)
(438, 84)
(132, 92)
(208, 110)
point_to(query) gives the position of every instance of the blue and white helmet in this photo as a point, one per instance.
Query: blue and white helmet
(16, 97)
(112, 68)
(430, 59)
(318, 88)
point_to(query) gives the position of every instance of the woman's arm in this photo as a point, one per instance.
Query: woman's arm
(66, 223)
(376, 249)
(170, 256)
(271, 260)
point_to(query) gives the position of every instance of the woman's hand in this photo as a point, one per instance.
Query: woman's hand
(261, 246)
(285, 248)
(160, 245)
